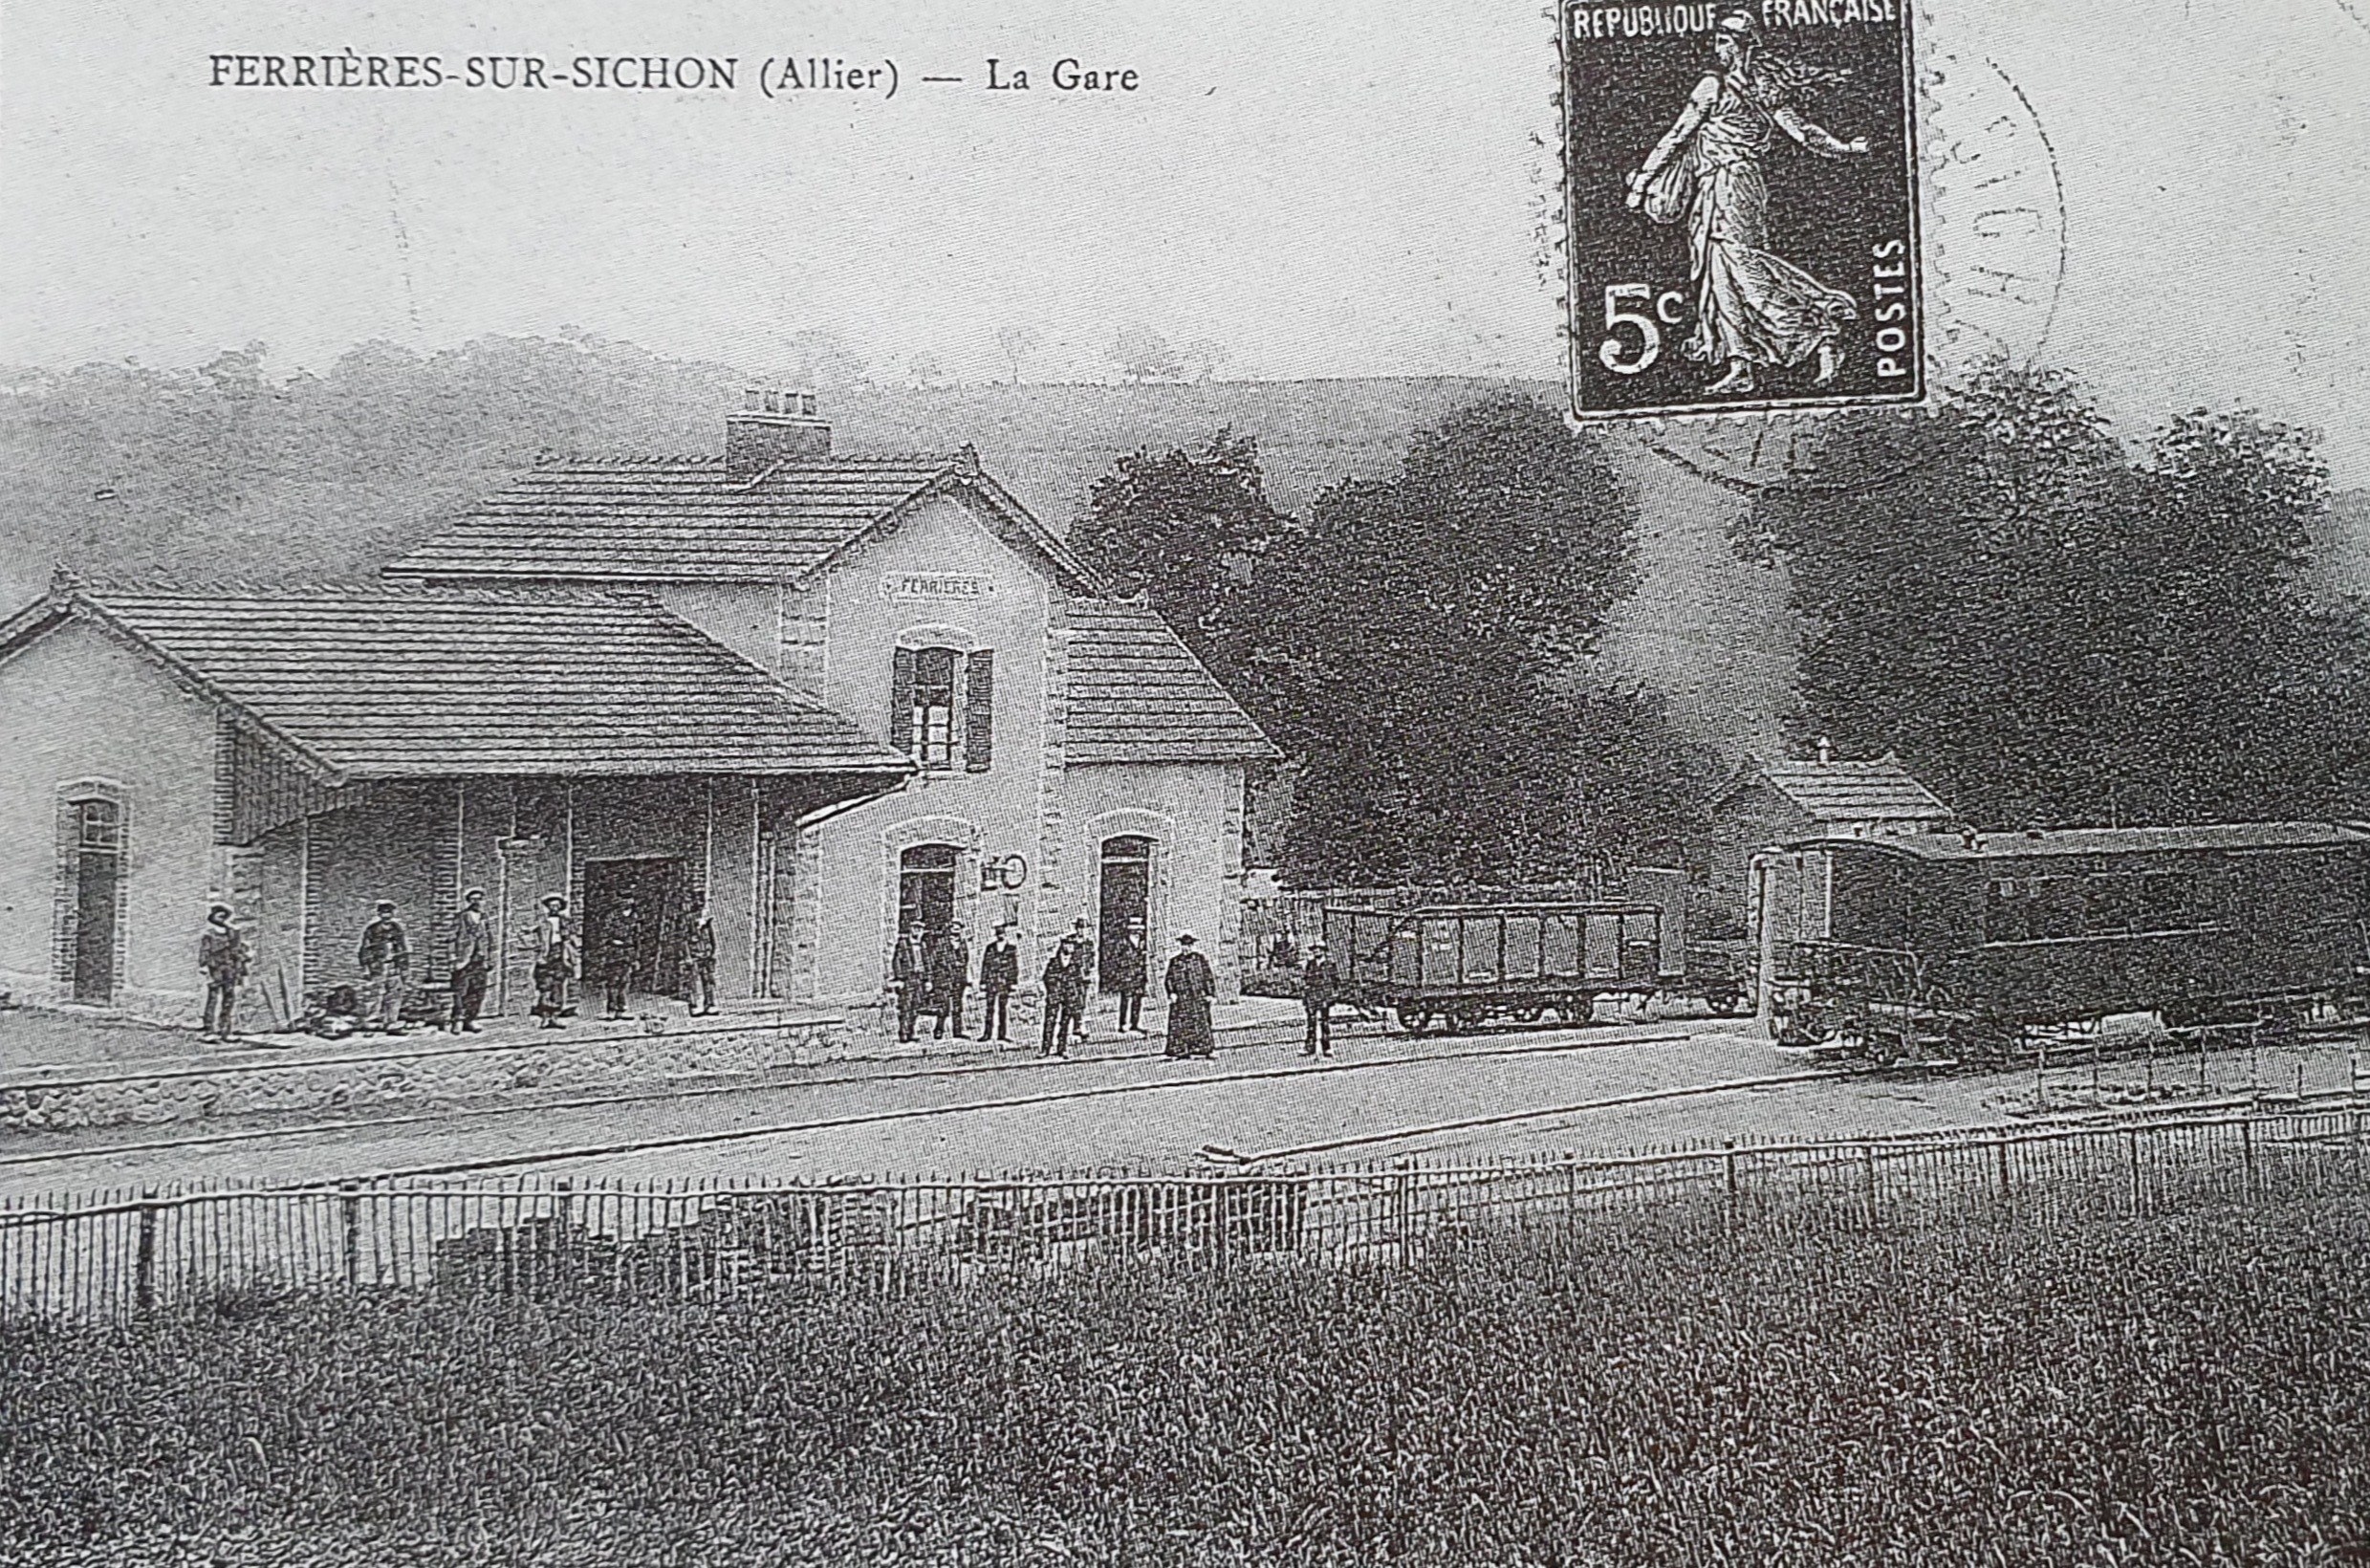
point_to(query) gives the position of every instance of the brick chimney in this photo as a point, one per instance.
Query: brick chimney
(772, 427)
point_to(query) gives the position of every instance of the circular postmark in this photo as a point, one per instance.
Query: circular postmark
(1997, 248)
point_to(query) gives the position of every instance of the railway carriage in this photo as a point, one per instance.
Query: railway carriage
(1981, 945)
(1459, 965)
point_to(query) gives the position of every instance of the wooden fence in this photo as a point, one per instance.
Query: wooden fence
(110, 1256)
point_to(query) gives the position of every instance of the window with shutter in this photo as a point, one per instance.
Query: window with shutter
(900, 701)
(933, 707)
(979, 711)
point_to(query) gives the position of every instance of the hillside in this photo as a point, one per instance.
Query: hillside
(234, 474)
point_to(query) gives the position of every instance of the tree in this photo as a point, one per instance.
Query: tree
(1182, 529)
(1016, 343)
(1424, 648)
(2052, 632)
(1142, 356)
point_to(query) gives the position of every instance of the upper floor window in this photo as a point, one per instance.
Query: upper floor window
(941, 707)
(98, 824)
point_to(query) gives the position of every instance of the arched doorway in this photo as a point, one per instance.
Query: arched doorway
(1126, 883)
(98, 872)
(925, 887)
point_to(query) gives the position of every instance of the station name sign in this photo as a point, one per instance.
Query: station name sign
(937, 587)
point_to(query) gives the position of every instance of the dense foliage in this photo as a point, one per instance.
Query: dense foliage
(2051, 630)
(1421, 646)
(2193, 1389)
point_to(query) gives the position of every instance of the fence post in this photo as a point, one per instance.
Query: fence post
(1727, 1162)
(350, 1223)
(1868, 1180)
(1999, 1148)
(2136, 1193)
(2246, 1144)
(145, 1274)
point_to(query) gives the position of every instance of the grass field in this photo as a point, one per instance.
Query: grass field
(2193, 1389)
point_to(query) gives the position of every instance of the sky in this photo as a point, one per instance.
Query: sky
(1334, 191)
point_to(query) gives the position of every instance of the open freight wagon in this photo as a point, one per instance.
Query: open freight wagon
(1456, 966)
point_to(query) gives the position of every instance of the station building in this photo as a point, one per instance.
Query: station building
(819, 695)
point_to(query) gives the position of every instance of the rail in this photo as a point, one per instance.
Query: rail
(110, 1256)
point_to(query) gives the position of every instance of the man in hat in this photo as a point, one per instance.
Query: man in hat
(620, 943)
(948, 959)
(1129, 968)
(1061, 985)
(909, 979)
(1320, 986)
(472, 953)
(1080, 946)
(554, 965)
(385, 958)
(999, 975)
(1190, 986)
(698, 951)
(222, 953)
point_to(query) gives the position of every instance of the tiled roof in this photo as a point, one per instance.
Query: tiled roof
(391, 683)
(1854, 791)
(1136, 694)
(675, 518)
(2218, 836)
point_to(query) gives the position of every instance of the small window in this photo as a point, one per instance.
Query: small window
(933, 707)
(99, 825)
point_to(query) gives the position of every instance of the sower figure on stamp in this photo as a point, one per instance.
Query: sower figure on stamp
(386, 960)
(908, 978)
(948, 959)
(1190, 986)
(222, 953)
(1752, 307)
(555, 961)
(472, 953)
(1129, 968)
(1320, 987)
(999, 974)
(699, 953)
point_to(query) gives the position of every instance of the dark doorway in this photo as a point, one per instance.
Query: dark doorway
(1126, 897)
(656, 888)
(925, 887)
(97, 870)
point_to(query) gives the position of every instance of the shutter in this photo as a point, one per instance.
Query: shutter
(979, 711)
(900, 701)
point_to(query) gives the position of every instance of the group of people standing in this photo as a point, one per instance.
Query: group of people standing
(930, 972)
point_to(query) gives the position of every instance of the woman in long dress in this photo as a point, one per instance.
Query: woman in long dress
(1190, 985)
(1752, 307)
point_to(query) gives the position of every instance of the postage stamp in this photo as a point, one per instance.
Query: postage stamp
(1741, 206)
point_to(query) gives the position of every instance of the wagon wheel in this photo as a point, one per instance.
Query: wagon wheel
(1575, 1010)
(1529, 1014)
(1415, 1020)
(1725, 1004)
(1469, 1018)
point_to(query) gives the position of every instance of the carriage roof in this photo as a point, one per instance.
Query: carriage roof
(2039, 843)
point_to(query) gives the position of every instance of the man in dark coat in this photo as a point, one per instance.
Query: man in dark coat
(222, 953)
(1129, 968)
(1060, 980)
(909, 979)
(999, 974)
(948, 959)
(385, 959)
(698, 952)
(620, 942)
(1320, 987)
(1080, 946)
(1190, 987)
(472, 953)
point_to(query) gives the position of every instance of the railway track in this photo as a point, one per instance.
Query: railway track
(1599, 1038)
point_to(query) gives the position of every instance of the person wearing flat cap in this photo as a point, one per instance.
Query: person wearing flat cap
(1320, 985)
(1190, 986)
(555, 964)
(472, 954)
(384, 958)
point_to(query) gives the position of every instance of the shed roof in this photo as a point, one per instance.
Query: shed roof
(1137, 694)
(650, 519)
(1881, 790)
(390, 682)
(2077, 842)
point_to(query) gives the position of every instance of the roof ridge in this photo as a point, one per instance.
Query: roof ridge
(218, 590)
